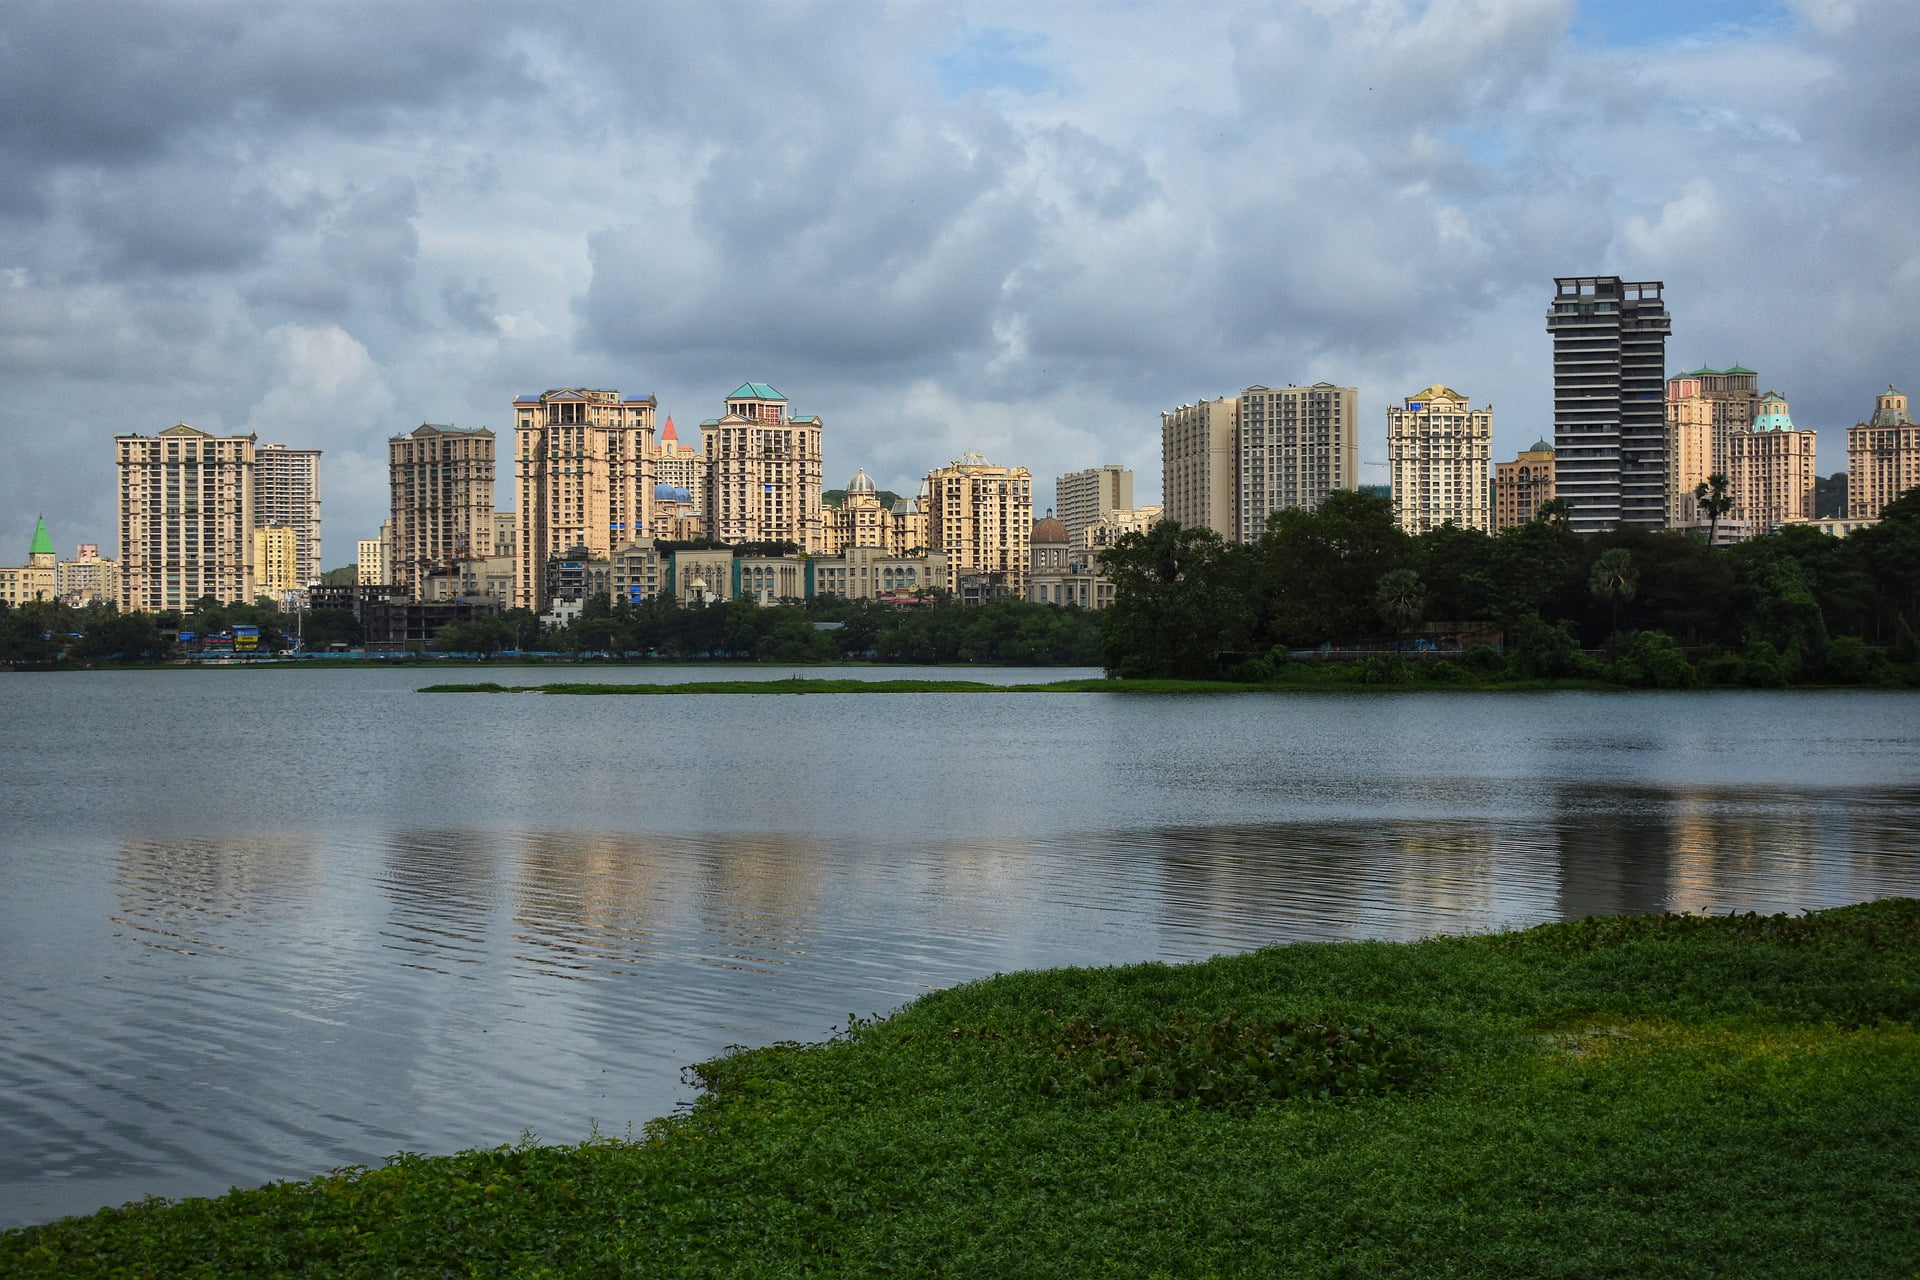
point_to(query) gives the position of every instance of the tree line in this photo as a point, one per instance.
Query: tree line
(1795, 606)
(823, 629)
(940, 630)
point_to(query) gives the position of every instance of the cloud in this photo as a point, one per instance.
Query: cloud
(1019, 229)
(324, 386)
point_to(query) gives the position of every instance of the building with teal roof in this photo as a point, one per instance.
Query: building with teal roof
(42, 546)
(35, 579)
(1770, 413)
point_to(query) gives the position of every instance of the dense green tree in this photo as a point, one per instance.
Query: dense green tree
(33, 632)
(1314, 572)
(1683, 586)
(1180, 602)
(322, 628)
(1531, 568)
(1889, 554)
(121, 637)
(1457, 566)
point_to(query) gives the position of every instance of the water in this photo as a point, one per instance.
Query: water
(258, 924)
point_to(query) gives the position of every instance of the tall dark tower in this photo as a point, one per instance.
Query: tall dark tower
(1609, 400)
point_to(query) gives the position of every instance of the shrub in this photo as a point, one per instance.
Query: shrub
(1850, 660)
(1653, 661)
(1547, 652)
(1388, 668)
(1485, 661)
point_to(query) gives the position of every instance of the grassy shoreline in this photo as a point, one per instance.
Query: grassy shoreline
(803, 685)
(1665, 1095)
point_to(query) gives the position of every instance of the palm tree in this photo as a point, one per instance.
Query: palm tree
(1614, 579)
(1556, 511)
(1715, 496)
(1401, 599)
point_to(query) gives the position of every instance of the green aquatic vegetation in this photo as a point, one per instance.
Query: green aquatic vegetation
(1228, 1061)
(1663, 1095)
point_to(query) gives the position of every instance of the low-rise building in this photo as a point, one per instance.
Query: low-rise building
(1062, 575)
(37, 578)
(1107, 530)
(1521, 486)
(88, 578)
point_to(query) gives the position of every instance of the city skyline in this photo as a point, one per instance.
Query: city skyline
(1008, 232)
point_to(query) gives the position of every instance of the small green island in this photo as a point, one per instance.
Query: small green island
(1653, 1095)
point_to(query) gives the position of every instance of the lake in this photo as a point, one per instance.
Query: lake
(261, 923)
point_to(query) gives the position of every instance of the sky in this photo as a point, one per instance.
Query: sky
(997, 227)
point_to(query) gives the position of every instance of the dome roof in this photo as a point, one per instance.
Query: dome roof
(1049, 530)
(861, 482)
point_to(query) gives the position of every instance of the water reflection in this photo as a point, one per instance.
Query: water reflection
(188, 895)
(202, 1010)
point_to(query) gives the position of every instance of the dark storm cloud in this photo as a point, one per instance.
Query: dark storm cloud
(173, 219)
(113, 85)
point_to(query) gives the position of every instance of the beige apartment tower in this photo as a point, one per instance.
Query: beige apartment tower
(186, 518)
(980, 516)
(584, 477)
(1771, 468)
(441, 479)
(763, 471)
(1521, 486)
(1883, 456)
(1704, 409)
(1296, 445)
(1439, 448)
(1084, 497)
(276, 562)
(1199, 482)
(286, 494)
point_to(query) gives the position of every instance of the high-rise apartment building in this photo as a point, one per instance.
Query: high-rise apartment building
(584, 476)
(186, 518)
(1199, 460)
(1609, 403)
(763, 471)
(1439, 448)
(1520, 486)
(1704, 410)
(980, 516)
(286, 494)
(1771, 467)
(441, 479)
(1883, 456)
(1084, 497)
(1296, 445)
